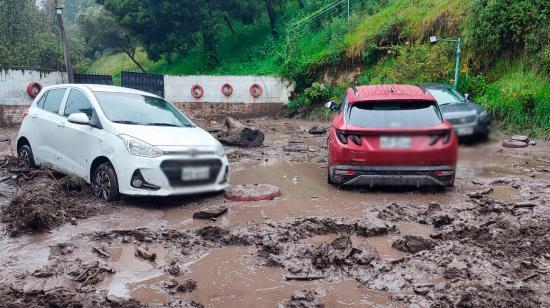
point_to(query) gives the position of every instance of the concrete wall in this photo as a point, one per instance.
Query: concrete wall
(13, 84)
(177, 89)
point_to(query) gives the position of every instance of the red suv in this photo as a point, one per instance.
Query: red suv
(390, 135)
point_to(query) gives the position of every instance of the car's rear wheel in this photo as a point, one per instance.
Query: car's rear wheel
(105, 184)
(26, 158)
(329, 176)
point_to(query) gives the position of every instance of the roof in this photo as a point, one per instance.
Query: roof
(393, 92)
(103, 88)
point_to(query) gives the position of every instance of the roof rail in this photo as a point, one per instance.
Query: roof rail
(355, 91)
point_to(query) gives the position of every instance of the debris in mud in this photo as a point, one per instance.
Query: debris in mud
(142, 251)
(456, 269)
(90, 273)
(514, 144)
(316, 130)
(187, 286)
(304, 299)
(413, 243)
(238, 134)
(480, 193)
(210, 212)
(255, 192)
(173, 269)
(62, 249)
(295, 147)
(521, 138)
(102, 252)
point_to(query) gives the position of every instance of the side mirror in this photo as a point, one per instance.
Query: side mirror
(467, 96)
(79, 118)
(331, 105)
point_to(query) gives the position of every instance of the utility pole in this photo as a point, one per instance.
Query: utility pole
(458, 42)
(348, 11)
(68, 65)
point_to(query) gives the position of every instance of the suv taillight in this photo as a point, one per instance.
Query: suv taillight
(344, 138)
(25, 114)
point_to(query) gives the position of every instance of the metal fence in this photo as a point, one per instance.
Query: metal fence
(93, 79)
(145, 82)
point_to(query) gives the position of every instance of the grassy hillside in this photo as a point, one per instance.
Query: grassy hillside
(385, 42)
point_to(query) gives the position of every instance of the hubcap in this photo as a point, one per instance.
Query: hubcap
(102, 185)
(25, 158)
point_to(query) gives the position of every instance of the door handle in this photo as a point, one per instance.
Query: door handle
(60, 124)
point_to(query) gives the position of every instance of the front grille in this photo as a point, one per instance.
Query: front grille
(173, 169)
(463, 120)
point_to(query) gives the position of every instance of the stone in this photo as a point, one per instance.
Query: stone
(422, 289)
(187, 286)
(480, 193)
(413, 243)
(532, 143)
(521, 138)
(456, 269)
(143, 252)
(315, 130)
(252, 192)
(238, 134)
(210, 212)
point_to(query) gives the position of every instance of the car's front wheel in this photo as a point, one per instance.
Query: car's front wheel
(105, 184)
(26, 158)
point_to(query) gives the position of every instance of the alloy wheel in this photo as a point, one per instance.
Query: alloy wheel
(102, 185)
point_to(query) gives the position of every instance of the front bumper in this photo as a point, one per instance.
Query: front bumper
(417, 176)
(164, 173)
(477, 128)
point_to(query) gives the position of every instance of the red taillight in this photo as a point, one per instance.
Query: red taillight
(344, 138)
(447, 137)
(356, 139)
(25, 114)
(434, 139)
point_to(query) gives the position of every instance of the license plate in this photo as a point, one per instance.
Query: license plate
(464, 131)
(195, 173)
(395, 142)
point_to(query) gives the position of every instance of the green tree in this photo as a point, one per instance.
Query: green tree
(101, 32)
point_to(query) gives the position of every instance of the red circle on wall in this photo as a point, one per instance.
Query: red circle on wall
(197, 91)
(227, 90)
(33, 89)
(256, 90)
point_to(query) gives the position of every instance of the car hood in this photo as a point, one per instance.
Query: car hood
(459, 110)
(168, 136)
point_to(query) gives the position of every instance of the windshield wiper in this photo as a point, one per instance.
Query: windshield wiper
(164, 124)
(127, 122)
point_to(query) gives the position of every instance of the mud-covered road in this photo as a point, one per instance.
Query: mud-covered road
(484, 243)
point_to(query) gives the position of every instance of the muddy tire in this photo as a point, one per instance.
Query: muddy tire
(452, 183)
(329, 177)
(26, 158)
(105, 183)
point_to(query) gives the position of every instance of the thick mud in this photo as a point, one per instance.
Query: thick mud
(484, 243)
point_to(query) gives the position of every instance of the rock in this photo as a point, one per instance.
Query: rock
(315, 130)
(254, 192)
(509, 143)
(422, 289)
(456, 269)
(142, 251)
(187, 286)
(480, 193)
(303, 295)
(210, 212)
(303, 299)
(173, 269)
(413, 243)
(238, 134)
(532, 143)
(34, 287)
(295, 147)
(521, 138)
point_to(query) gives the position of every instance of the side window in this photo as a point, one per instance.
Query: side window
(53, 100)
(40, 103)
(78, 102)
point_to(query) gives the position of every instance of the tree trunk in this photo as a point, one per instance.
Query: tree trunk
(228, 23)
(301, 3)
(272, 16)
(132, 56)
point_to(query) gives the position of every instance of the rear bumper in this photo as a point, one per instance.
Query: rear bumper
(417, 176)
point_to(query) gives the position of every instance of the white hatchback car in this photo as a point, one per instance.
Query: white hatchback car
(122, 141)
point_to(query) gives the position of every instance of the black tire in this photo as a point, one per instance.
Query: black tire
(105, 183)
(26, 158)
(329, 177)
(452, 183)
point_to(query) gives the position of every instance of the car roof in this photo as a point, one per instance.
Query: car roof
(102, 88)
(388, 92)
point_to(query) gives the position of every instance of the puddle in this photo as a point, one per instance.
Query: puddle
(505, 194)
(228, 277)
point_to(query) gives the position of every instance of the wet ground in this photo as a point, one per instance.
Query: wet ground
(484, 243)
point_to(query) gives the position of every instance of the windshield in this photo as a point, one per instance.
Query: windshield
(407, 114)
(140, 110)
(445, 96)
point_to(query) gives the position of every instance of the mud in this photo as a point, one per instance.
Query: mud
(484, 243)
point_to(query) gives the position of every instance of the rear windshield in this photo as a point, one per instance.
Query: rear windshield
(394, 114)
(138, 109)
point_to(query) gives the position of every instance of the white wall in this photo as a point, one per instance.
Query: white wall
(14, 82)
(177, 89)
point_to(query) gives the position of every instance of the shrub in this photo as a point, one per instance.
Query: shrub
(420, 63)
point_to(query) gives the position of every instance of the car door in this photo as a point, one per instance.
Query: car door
(79, 144)
(45, 120)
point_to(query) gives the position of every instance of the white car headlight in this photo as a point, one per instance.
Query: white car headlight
(140, 148)
(483, 114)
(220, 151)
